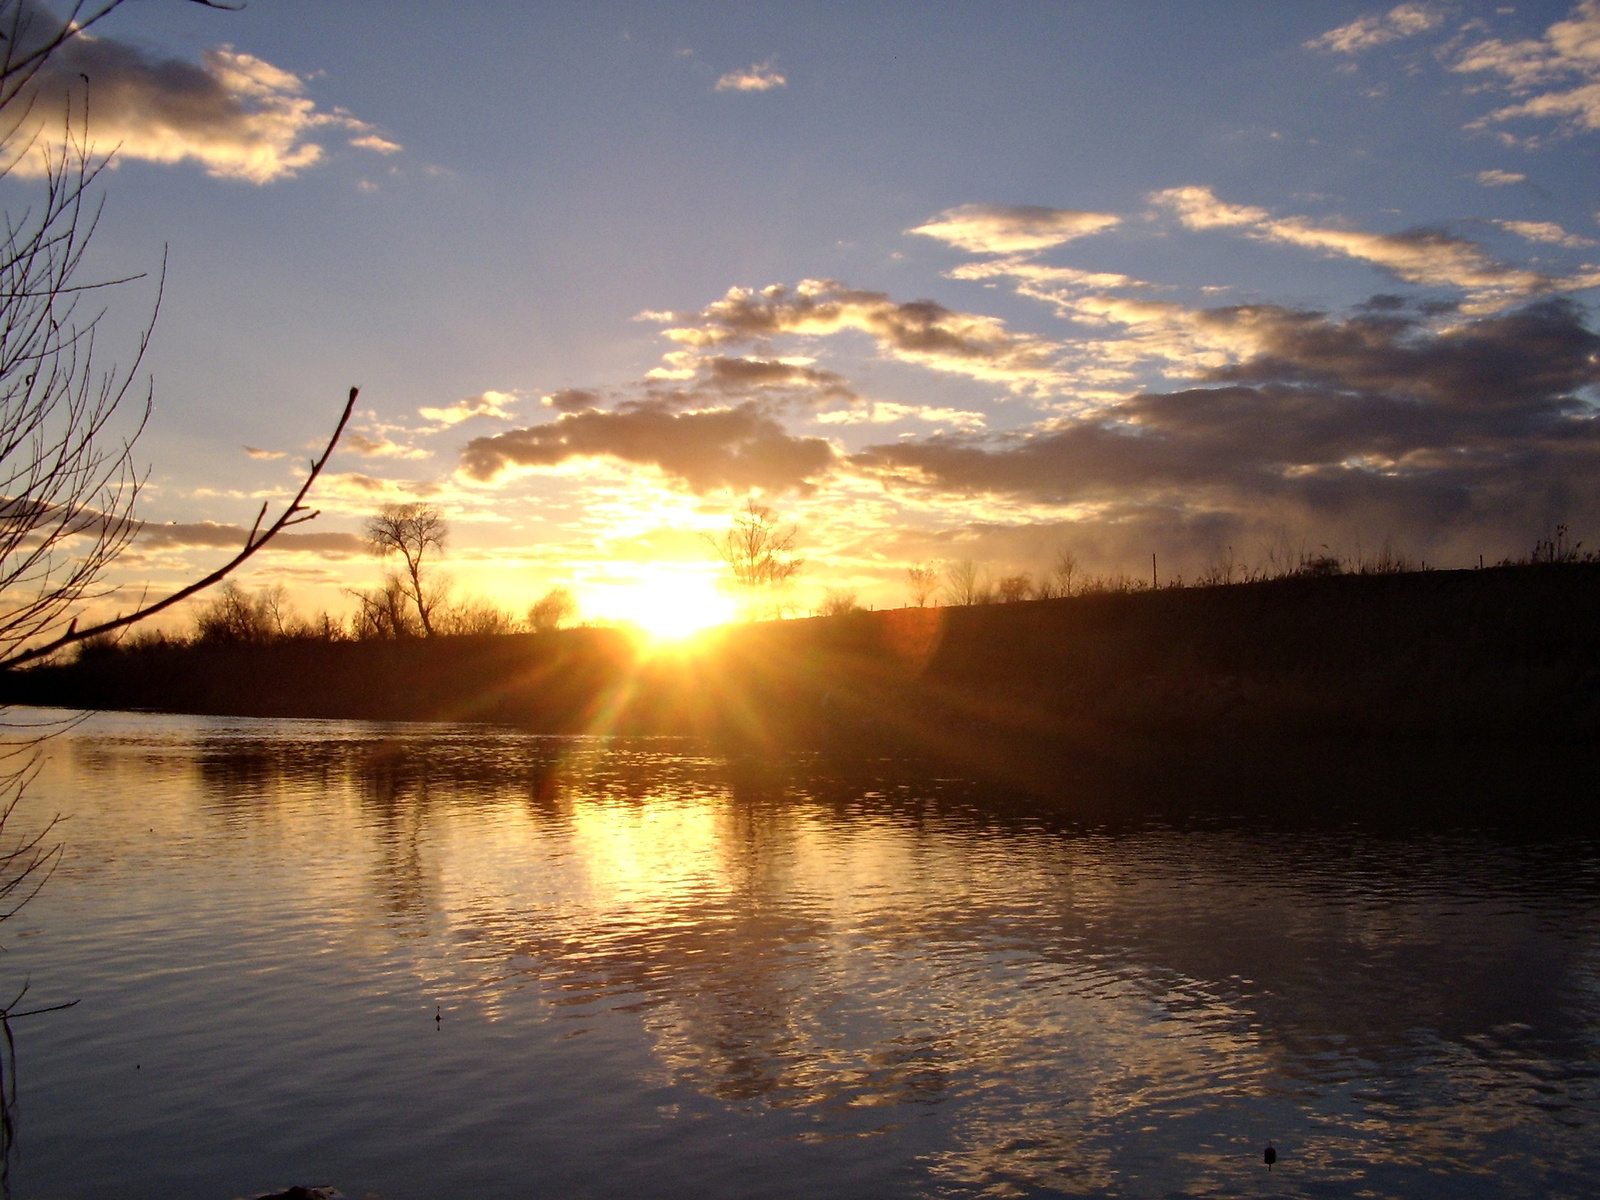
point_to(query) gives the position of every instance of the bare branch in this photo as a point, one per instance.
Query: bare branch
(252, 545)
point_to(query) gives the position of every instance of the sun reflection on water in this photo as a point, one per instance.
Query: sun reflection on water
(998, 1007)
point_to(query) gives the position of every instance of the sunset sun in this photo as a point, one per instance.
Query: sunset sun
(667, 604)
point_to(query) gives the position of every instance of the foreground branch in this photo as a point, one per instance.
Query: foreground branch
(295, 514)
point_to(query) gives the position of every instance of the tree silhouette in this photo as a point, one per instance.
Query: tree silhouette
(411, 531)
(759, 554)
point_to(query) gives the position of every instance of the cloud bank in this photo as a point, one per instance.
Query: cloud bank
(1373, 420)
(741, 447)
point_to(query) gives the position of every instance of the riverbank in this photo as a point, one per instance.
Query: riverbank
(1504, 655)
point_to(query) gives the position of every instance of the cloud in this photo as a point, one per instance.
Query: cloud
(740, 447)
(368, 489)
(757, 77)
(255, 453)
(379, 447)
(886, 413)
(1403, 21)
(1499, 178)
(1007, 229)
(1432, 257)
(211, 535)
(571, 400)
(1559, 73)
(484, 404)
(1546, 231)
(236, 115)
(375, 143)
(920, 331)
(1373, 420)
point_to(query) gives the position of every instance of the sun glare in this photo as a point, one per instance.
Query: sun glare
(667, 604)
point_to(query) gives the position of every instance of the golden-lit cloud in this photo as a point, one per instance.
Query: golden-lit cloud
(379, 447)
(1425, 256)
(1402, 21)
(884, 412)
(485, 404)
(238, 116)
(1559, 74)
(371, 491)
(1011, 229)
(757, 77)
(255, 452)
(1547, 232)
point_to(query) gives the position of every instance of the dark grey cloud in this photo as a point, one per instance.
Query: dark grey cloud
(1376, 420)
(744, 375)
(214, 535)
(740, 447)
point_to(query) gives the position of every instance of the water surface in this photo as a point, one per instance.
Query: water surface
(658, 974)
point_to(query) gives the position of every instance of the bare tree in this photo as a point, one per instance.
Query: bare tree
(235, 616)
(475, 615)
(759, 554)
(552, 610)
(1013, 588)
(922, 580)
(413, 531)
(839, 602)
(383, 612)
(966, 583)
(1066, 572)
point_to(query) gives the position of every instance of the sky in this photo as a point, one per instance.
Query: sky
(933, 282)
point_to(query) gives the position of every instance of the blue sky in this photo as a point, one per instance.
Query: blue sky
(1117, 279)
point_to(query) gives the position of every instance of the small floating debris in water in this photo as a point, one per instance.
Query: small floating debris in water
(1269, 1156)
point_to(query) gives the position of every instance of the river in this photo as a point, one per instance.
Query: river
(429, 962)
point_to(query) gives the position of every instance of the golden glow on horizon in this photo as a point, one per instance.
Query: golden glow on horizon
(666, 602)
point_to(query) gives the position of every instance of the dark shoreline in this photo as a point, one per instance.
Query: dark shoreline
(1311, 683)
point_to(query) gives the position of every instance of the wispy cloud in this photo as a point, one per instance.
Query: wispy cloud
(1547, 232)
(212, 535)
(757, 77)
(1402, 21)
(1010, 229)
(254, 452)
(485, 404)
(1557, 74)
(1433, 257)
(1499, 178)
(379, 447)
(238, 116)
